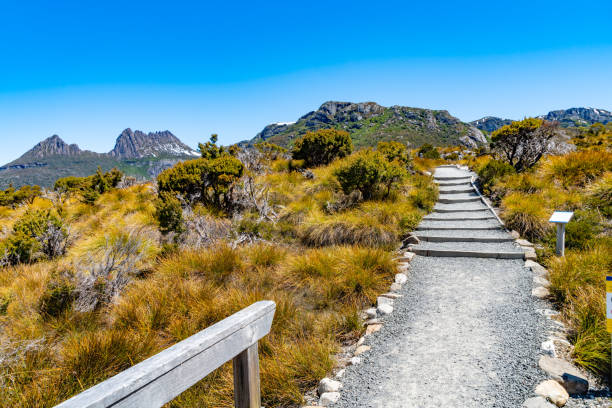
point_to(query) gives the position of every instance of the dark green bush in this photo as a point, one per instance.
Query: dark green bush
(4, 303)
(395, 151)
(370, 173)
(30, 237)
(12, 197)
(209, 181)
(169, 213)
(90, 187)
(493, 171)
(58, 296)
(428, 151)
(322, 147)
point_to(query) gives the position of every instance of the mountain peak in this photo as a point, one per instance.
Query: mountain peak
(51, 146)
(137, 144)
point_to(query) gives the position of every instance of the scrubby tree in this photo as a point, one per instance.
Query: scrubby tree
(523, 143)
(370, 173)
(428, 151)
(395, 151)
(322, 147)
(90, 187)
(210, 181)
(12, 197)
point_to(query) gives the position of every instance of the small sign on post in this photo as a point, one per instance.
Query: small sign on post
(561, 218)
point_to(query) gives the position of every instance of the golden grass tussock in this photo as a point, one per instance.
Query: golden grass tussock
(526, 214)
(578, 284)
(578, 168)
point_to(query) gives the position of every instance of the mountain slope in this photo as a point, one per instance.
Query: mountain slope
(135, 153)
(569, 118)
(369, 123)
(136, 144)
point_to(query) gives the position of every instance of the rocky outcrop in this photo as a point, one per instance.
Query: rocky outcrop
(52, 146)
(369, 123)
(579, 116)
(136, 144)
(490, 123)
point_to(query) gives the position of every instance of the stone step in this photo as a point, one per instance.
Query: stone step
(470, 254)
(458, 200)
(455, 227)
(459, 218)
(457, 190)
(454, 210)
(453, 183)
(471, 238)
(497, 233)
(453, 178)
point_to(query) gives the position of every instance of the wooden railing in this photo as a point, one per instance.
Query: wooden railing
(161, 378)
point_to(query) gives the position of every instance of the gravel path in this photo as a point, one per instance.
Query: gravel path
(465, 334)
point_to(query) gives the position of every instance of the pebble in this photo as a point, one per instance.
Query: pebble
(328, 385)
(401, 278)
(362, 349)
(384, 309)
(540, 292)
(329, 398)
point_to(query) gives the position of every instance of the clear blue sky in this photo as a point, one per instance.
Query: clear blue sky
(86, 70)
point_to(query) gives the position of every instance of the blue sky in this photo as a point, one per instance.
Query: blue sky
(86, 70)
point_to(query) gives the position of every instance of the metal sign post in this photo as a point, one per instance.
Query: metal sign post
(561, 218)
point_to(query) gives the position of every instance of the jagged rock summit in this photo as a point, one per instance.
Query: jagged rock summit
(52, 146)
(136, 144)
(490, 123)
(138, 154)
(369, 123)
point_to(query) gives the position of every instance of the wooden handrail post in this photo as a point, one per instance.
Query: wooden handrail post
(246, 379)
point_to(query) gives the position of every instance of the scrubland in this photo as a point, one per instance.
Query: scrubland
(122, 291)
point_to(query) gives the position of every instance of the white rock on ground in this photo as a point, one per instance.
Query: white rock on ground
(395, 287)
(340, 373)
(329, 398)
(553, 392)
(355, 360)
(515, 234)
(381, 300)
(524, 242)
(536, 268)
(372, 328)
(360, 341)
(328, 385)
(362, 349)
(371, 313)
(565, 374)
(537, 402)
(540, 292)
(391, 295)
(384, 309)
(540, 281)
(530, 254)
(401, 278)
(548, 347)
(403, 267)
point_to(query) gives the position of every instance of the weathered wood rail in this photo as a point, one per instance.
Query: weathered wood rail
(161, 378)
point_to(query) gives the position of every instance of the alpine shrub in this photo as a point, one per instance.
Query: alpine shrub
(322, 147)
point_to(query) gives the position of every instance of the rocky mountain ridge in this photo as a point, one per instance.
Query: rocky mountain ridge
(569, 118)
(143, 155)
(369, 123)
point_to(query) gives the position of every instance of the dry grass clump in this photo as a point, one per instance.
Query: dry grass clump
(345, 233)
(526, 214)
(600, 194)
(578, 168)
(578, 285)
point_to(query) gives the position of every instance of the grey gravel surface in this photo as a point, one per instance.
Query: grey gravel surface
(459, 224)
(463, 233)
(475, 205)
(471, 246)
(466, 215)
(465, 334)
